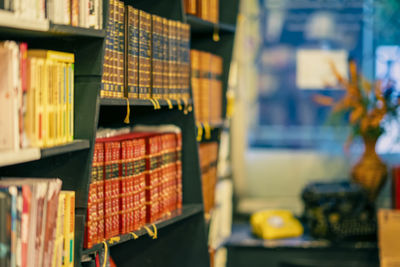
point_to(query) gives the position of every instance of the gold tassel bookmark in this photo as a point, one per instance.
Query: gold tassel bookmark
(207, 130)
(128, 111)
(199, 132)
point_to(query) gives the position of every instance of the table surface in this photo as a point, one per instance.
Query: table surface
(247, 250)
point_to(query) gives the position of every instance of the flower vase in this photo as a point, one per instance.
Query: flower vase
(370, 171)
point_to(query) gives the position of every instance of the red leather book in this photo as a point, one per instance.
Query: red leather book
(139, 146)
(178, 164)
(111, 187)
(153, 171)
(90, 237)
(99, 146)
(123, 205)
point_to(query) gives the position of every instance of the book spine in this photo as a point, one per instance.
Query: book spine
(108, 169)
(170, 59)
(70, 227)
(133, 51)
(116, 163)
(156, 63)
(191, 6)
(27, 198)
(75, 13)
(23, 98)
(105, 81)
(186, 61)
(5, 232)
(121, 49)
(152, 179)
(58, 246)
(135, 91)
(51, 221)
(123, 220)
(100, 191)
(90, 237)
(113, 47)
(139, 183)
(71, 93)
(195, 74)
(179, 60)
(165, 58)
(214, 11)
(178, 181)
(144, 55)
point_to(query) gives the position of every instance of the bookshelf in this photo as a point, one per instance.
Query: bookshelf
(182, 237)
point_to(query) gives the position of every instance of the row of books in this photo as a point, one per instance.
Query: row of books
(204, 9)
(208, 154)
(206, 70)
(136, 179)
(36, 97)
(37, 223)
(146, 56)
(79, 13)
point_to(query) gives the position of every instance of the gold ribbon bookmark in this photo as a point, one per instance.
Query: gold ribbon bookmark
(199, 132)
(216, 33)
(105, 253)
(128, 111)
(150, 232)
(135, 236)
(169, 103)
(207, 130)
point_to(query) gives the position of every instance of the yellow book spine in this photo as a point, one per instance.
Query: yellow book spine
(69, 228)
(52, 55)
(42, 105)
(63, 104)
(51, 82)
(71, 104)
(66, 247)
(29, 114)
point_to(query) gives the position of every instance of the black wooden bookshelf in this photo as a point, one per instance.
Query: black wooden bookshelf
(182, 240)
(75, 145)
(141, 102)
(176, 216)
(200, 26)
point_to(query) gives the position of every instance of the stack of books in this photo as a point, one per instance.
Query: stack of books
(208, 153)
(204, 9)
(136, 179)
(147, 56)
(78, 13)
(36, 96)
(206, 70)
(37, 223)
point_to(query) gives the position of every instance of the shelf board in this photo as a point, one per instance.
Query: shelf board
(68, 30)
(176, 216)
(61, 149)
(136, 102)
(200, 26)
(11, 23)
(30, 154)
(21, 156)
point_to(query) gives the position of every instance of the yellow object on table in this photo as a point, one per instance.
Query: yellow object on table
(274, 224)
